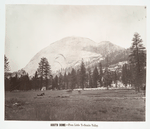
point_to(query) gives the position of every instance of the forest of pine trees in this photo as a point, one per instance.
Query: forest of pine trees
(133, 73)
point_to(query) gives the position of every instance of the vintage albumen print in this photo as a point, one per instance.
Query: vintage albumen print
(75, 63)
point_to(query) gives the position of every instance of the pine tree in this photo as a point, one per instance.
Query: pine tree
(73, 78)
(14, 83)
(6, 64)
(27, 82)
(124, 75)
(53, 83)
(6, 69)
(78, 78)
(69, 80)
(100, 74)
(107, 78)
(90, 81)
(56, 82)
(95, 77)
(47, 72)
(137, 58)
(82, 74)
(44, 71)
(90, 77)
(115, 78)
(66, 81)
(35, 81)
(60, 80)
(131, 75)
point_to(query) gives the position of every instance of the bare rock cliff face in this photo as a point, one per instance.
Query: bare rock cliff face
(68, 52)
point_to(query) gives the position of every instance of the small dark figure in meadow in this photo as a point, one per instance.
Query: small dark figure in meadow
(79, 91)
(42, 94)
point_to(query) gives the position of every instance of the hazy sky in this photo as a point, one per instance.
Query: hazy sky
(30, 28)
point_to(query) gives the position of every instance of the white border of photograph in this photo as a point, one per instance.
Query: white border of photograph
(46, 124)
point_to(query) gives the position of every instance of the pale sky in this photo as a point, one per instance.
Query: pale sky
(30, 28)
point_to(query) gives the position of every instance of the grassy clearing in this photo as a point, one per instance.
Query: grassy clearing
(100, 105)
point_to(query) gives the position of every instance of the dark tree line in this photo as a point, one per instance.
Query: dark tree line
(81, 78)
(21, 80)
(18, 83)
(85, 78)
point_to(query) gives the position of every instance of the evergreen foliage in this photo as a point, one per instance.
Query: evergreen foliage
(124, 75)
(65, 81)
(137, 59)
(90, 82)
(60, 80)
(44, 72)
(82, 74)
(56, 82)
(95, 77)
(13, 83)
(107, 78)
(78, 78)
(35, 82)
(100, 74)
(115, 78)
(73, 78)
(6, 64)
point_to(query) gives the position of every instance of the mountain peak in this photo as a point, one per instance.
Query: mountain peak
(64, 53)
(83, 41)
(108, 43)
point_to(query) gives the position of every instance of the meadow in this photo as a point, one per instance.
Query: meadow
(87, 105)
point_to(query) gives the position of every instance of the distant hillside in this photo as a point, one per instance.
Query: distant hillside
(68, 52)
(104, 48)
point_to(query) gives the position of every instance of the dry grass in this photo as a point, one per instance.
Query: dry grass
(101, 105)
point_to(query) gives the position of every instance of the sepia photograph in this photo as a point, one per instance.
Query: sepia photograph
(75, 63)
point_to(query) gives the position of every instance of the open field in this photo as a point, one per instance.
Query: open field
(96, 105)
